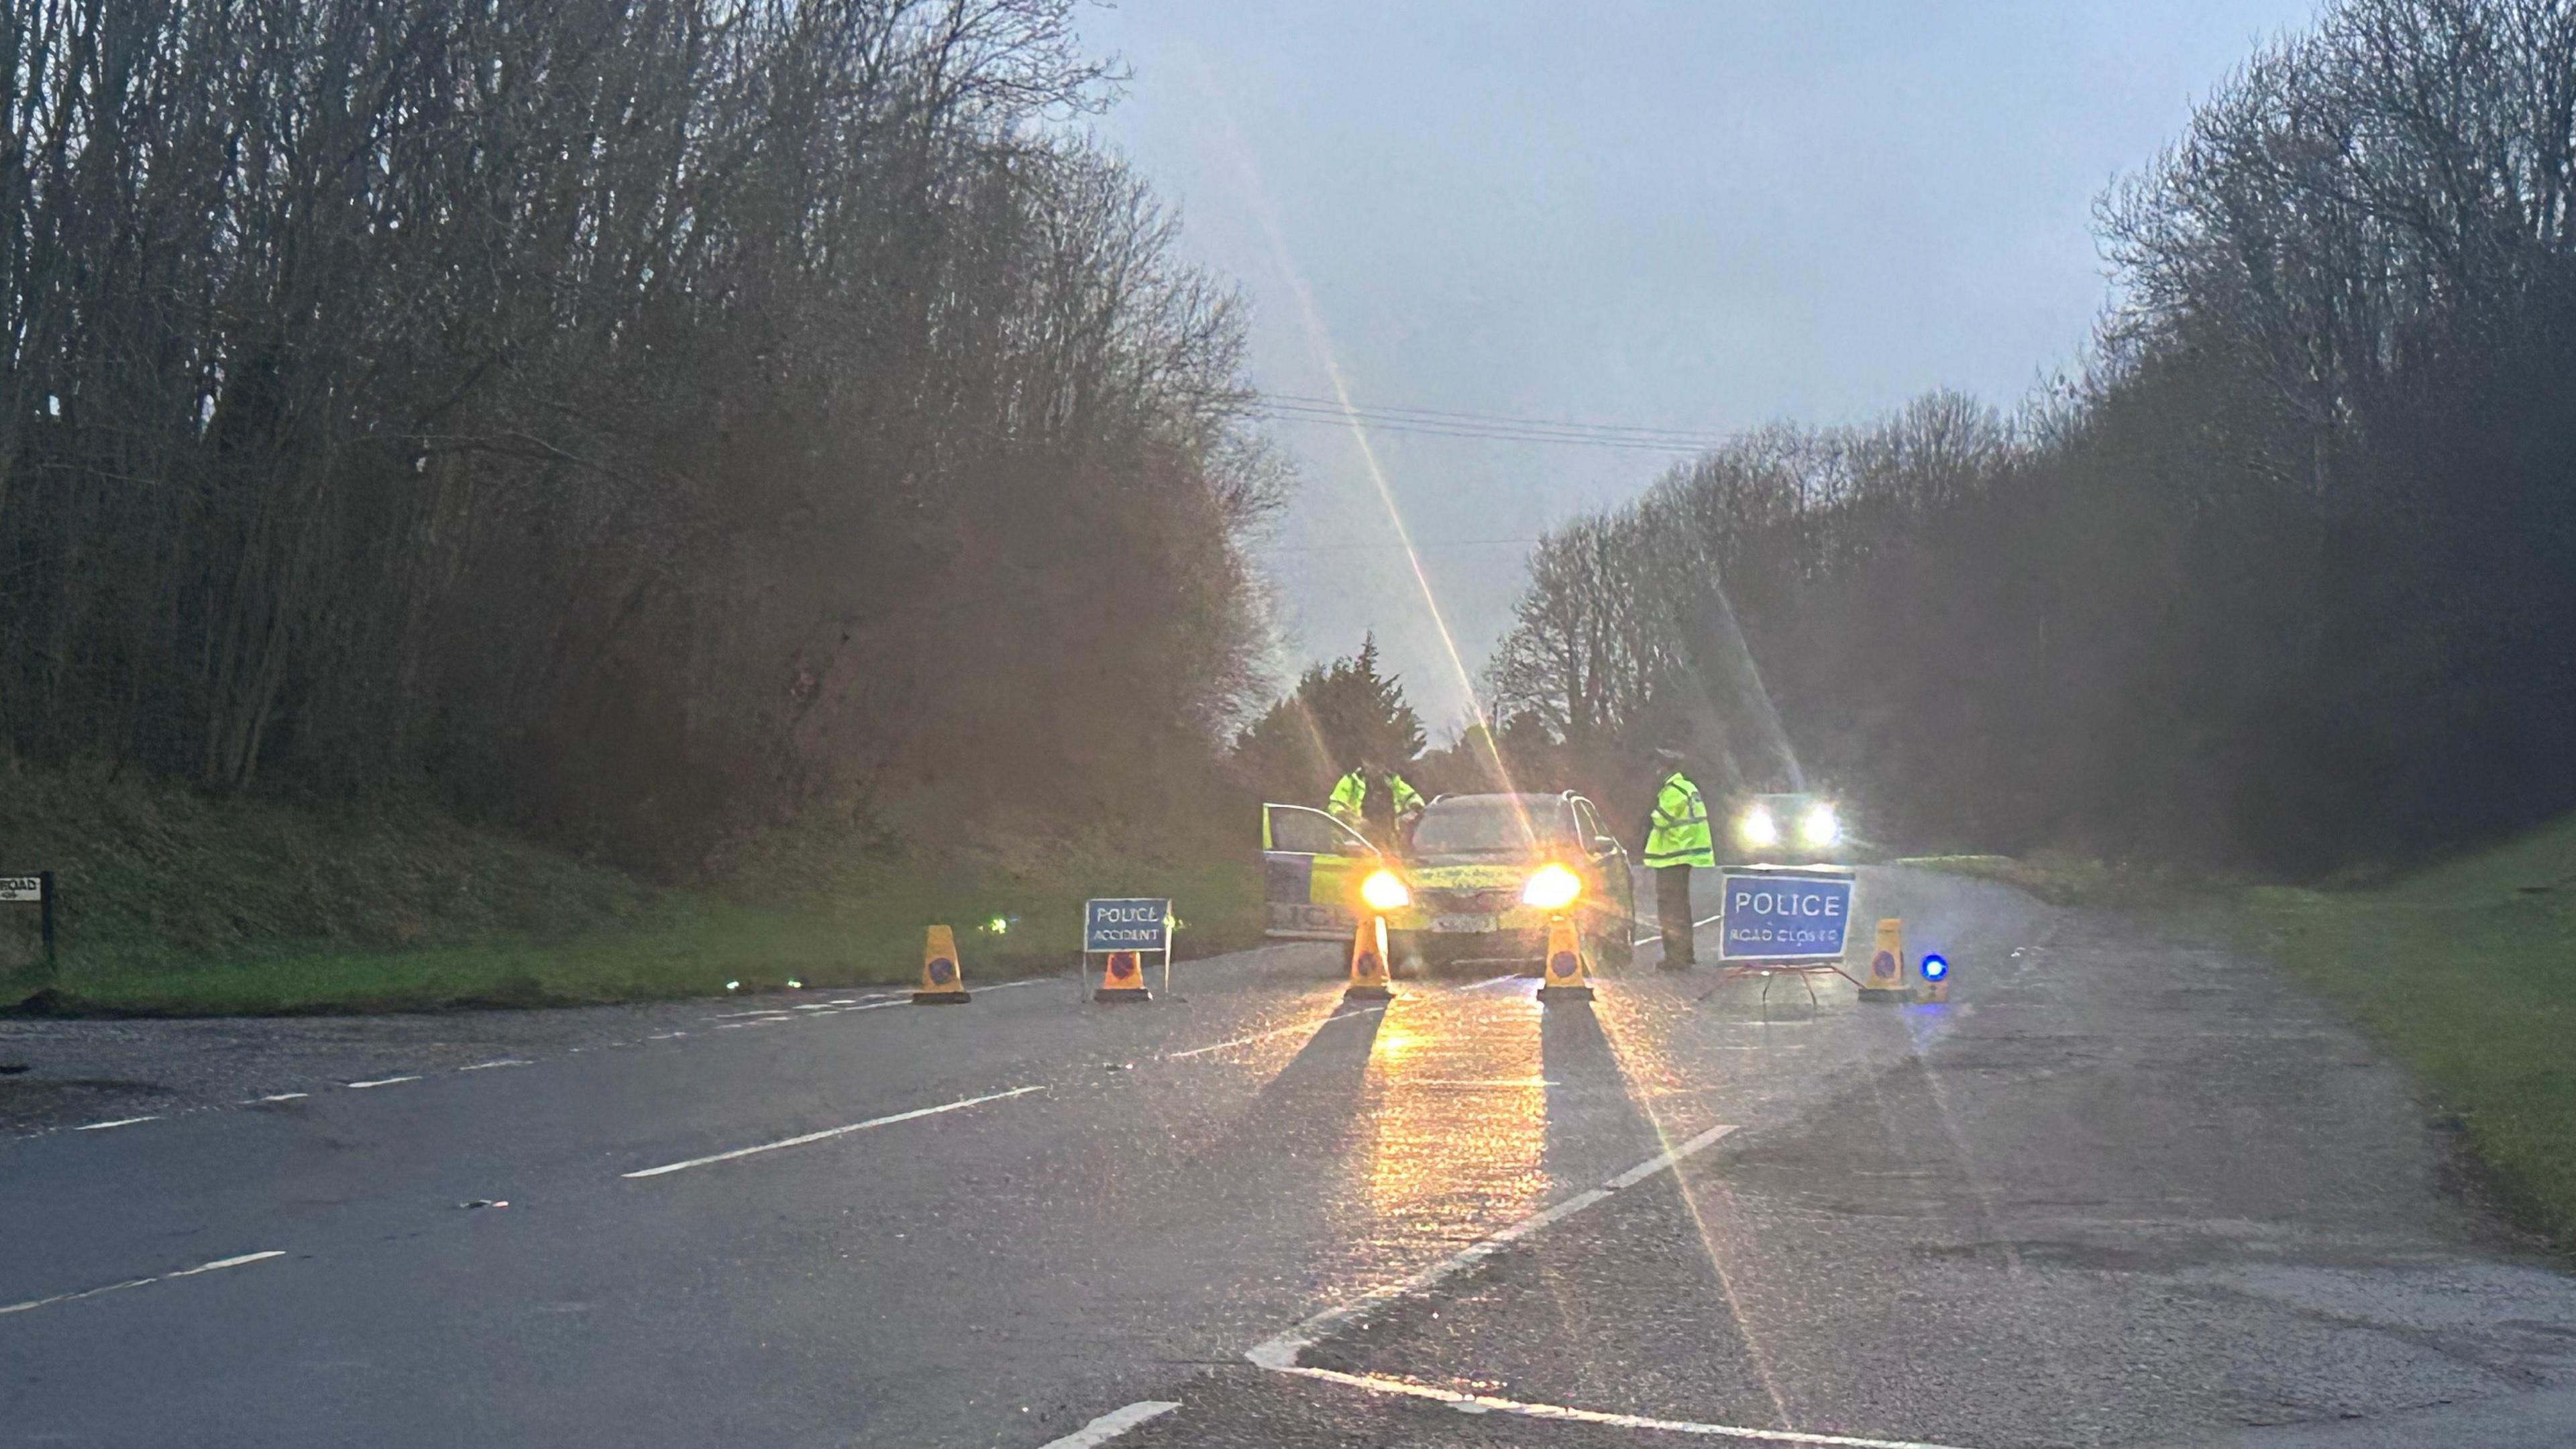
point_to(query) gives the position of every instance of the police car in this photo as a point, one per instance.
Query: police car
(1785, 828)
(1480, 880)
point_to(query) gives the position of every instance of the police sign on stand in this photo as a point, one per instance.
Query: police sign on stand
(1126, 925)
(1783, 915)
(1124, 930)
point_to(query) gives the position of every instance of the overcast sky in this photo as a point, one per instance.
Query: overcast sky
(1694, 216)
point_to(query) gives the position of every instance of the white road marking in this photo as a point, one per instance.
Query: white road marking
(830, 1132)
(1112, 1424)
(280, 1097)
(1486, 1403)
(35, 1303)
(119, 1122)
(1267, 1035)
(498, 1062)
(1281, 1353)
(382, 1082)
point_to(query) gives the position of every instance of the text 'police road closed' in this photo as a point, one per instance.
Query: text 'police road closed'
(1789, 903)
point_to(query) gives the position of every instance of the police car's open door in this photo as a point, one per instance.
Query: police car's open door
(1311, 869)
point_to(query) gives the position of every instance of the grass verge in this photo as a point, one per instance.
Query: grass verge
(2466, 970)
(173, 904)
(2074, 880)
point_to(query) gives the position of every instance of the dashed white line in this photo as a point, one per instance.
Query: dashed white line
(831, 1132)
(1276, 1031)
(1487, 1403)
(277, 1097)
(498, 1062)
(119, 1122)
(36, 1303)
(1281, 1353)
(1112, 1424)
(383, 1082)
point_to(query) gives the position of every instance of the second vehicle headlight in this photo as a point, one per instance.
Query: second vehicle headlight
(1757, 827)
(1819, 826)
(1551, 888)
(1386, 891)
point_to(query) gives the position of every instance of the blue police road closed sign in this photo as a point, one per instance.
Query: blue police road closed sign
(1126, 925)
(1783, 915)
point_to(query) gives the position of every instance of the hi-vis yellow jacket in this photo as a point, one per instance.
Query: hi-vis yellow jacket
(1678, 831)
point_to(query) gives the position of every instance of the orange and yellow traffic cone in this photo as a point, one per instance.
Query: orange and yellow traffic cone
(1569, 976)
(1369, 979)
(1885, 980)
(943, 981)
(1123, 978)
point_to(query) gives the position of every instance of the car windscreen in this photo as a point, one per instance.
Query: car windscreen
(1492, 826)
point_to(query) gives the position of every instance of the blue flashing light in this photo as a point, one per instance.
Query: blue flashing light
(1933, 966)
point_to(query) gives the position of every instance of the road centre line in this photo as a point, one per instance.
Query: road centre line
(1112, 1424)
(35, 1303)
(119, 1122)
(831, 1132)
(1280, 1353)
(1275, 1031)
(498, 1062)
(382, 1082)
(1487, 1403)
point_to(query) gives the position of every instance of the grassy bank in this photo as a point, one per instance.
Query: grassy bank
(2074, 880)
(2467, 970)
(172, 903)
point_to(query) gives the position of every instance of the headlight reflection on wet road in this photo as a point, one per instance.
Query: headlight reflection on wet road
(1461, 1117)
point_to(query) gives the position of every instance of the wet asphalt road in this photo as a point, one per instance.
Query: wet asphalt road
(2126, 1188)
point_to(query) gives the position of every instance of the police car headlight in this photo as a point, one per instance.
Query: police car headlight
(1385, 891)
(1819, 827)
(1551, 888)
(1757, 827)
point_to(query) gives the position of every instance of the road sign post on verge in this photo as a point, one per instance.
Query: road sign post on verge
(1128, 926)
(36, 890)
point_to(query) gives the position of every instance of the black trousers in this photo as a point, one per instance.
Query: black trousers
(1673, 913)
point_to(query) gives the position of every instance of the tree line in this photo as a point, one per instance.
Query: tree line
(633, 420)
(2283, 577)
